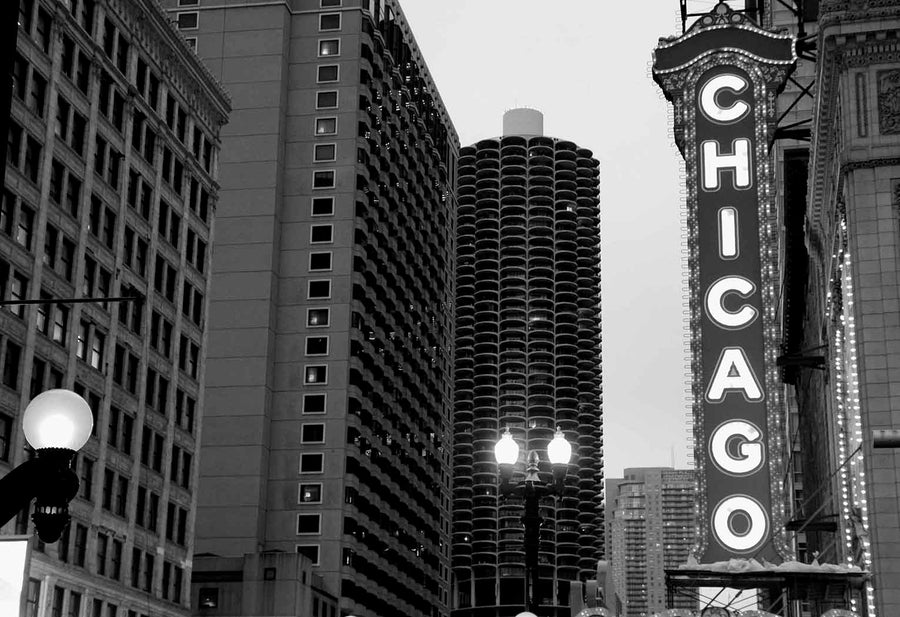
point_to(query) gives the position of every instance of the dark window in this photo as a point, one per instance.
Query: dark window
(310, 551)
(188, 21)
(312, 462)
(320, 233)
(316, 345)
(326, 99)
(309, 523)
(323, 179)
(313, 403)
(322, 206)
(330, 21)
(11, 365)
(327, 73)
(319, 289)
(312, 433)
(325, 152)
(6, 423)
(320, 261)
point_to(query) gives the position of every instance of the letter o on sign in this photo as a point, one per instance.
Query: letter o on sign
(756, 523)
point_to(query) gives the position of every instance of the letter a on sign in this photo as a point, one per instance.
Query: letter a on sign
(733, 374)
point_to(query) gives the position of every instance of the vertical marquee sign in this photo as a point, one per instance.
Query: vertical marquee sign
(722, 77)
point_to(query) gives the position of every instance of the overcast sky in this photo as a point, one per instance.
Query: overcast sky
(585, 64)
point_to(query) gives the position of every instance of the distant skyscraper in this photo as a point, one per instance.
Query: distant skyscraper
(331, 322)
(527, 358)
(650, 524)
(110, 190)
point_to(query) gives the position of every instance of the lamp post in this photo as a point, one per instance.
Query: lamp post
(56, 423)
(506, 451)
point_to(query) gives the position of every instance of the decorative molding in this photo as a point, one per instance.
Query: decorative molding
(862, 106)
(889, 102)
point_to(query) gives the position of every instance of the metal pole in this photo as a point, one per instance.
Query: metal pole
(532, 521)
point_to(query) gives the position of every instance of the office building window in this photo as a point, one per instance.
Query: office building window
(327, 99)
(323, 179)
(319, 289)
(324, 153)
(323, 206)
(309, 524)
(314, 403)
(310, 493)
(317, 317)
(316, 345)
(312, 462)
(327, 73)
(330, 47)
(316, 374)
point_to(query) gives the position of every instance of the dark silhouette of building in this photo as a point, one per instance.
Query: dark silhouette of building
(528, 359)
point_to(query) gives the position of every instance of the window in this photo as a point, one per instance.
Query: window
(323, 206)
(320, 234)
(327, 73)
(330, 47)
(330, 21)
(329, 3)
(319, 289)
(316, 345)
(11, 365)
(326, 99)
(309, 524)
(208, 597)
(323, 179)
(326, 126)
(324, 152)
(6, 423)
(188, 21)
(320, 261)
(317, 317)
(310, 493)
(314, 403)
(316, 374)
(310, 551)
(312, 462)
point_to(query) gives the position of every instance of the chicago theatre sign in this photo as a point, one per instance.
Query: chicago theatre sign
(722, 77)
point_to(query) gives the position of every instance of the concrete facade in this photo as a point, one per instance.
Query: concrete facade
(328, 415)
(110, 190)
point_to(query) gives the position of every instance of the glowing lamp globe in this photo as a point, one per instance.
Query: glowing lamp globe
(57, 419)
(506, 451)
(559, 450)
(526, 614)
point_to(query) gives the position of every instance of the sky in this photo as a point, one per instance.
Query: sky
(586, 65)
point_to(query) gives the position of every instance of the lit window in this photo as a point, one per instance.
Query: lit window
(314, 403)
(326, 126)
(327, 73)
(322, 206)
(324, 152)
(330, 21)
(316, 374)
(323, 179)
(317, 317)
(321, 234)
(310, 493)
(316, 345)
(188, 21)
(330, 47)
(327, 99)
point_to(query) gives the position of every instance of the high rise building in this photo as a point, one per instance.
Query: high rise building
(331, 321)
(110, 190)
(650, 520)
(527, 359)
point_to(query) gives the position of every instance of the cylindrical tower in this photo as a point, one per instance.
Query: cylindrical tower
(528, 358)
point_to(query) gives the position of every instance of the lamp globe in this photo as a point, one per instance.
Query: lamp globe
(506, 451)
(559, 451)
(57, 419)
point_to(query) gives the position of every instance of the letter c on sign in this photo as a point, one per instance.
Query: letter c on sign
(710, 91)
(754, 515)
(750, 452)
(715, 308)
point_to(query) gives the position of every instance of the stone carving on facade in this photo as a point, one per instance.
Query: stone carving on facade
(889, 102)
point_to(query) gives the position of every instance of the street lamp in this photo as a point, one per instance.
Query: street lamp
(56, 423)
(506, 451)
